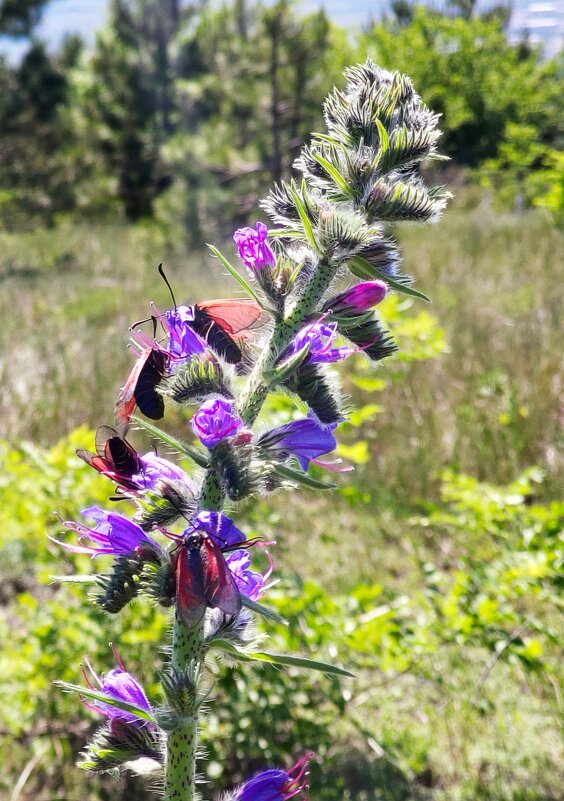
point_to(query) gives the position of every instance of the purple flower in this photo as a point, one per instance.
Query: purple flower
(215, 421)
(183, 340)
(117, 685)
(305, 439)
(219, 527)
(320, 337)
(275, 785)
(249, 582)
(357, 299)
(254, 251)
(113, 534)
(154, 469)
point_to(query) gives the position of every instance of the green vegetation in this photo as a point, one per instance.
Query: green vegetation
(200, 107)
(454, 574)
(446, 541)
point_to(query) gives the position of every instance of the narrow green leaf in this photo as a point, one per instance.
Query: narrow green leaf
(353, 321)
(75, 579)
(335, 174)
(384, 149)
(236, 275)
(282, 659)
(263, 610)
(302, 478)
(99, 696)
(172, 442)
(282, 233)
(332, 140)
(363, 269)
(306, 223)
(299, 661)
(283, 371)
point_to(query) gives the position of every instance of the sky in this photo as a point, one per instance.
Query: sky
(86, 16)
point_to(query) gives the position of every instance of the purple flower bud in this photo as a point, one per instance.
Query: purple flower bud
(254, 250)
(305, 439)
(113, 535)
(357, 299)
(117, 685)
(215, 421)
(320, 337)
(183, 340)
(154, 469)
(275, 785)
(219, 527)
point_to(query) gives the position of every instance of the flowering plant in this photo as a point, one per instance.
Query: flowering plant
(221, 359)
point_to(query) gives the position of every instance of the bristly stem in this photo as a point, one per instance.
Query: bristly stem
(180, 780)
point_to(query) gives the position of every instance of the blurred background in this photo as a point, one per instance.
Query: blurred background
(134, 131)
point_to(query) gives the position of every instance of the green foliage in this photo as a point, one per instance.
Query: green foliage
(251, 81)
(477, 595)
(120, 101)
(186, 108)
(19, 17)
(500, 103)
(35, 172)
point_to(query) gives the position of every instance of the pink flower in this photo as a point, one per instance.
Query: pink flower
(254, 250)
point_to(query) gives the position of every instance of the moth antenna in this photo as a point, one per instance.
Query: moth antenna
(162, 273)
(142, 322)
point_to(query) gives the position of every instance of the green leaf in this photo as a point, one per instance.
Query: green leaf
(172, 442)
(288, 367)
(236, 275)
(302, 478)
(99, 696)
(263, 610)
(338, 179)
(306, 223)
(281, 233)
(362, 268)
(384, 149)
(88, 578)
(283, 659)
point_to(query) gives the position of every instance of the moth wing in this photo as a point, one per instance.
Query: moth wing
(190, 601)
(220, 589)
(94, 460)
(125, 404)
(103, 434)
(150, 403)
(122, 455)
(233, 315)
(139, 390)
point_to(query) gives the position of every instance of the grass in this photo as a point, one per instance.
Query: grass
(487, 404)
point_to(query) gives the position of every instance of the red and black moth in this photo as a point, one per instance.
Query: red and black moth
(203, 579)
(114, 457)
(222, 322)
(140, 389)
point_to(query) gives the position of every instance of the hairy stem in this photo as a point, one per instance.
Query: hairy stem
(180, 781)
